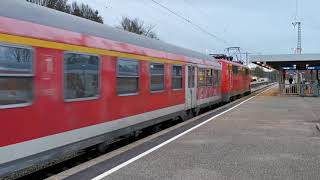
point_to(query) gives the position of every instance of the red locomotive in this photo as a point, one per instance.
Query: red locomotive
(67, 83)
(236, 78)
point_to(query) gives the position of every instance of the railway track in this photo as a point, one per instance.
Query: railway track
(96, 151)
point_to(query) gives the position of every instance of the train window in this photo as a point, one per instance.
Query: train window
(128, 76)
(201, 77)
(216, 78)
(16, 76)
(235, 69)
(81, 76)
(246, 71)
(157, 77)
(209, 78)
(176, 77)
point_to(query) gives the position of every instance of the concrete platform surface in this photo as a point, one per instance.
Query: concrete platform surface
(268, 137)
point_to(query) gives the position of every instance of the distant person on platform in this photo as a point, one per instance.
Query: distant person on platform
(290, 80)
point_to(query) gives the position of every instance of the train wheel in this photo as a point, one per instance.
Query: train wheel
(156, 128)
(103, 147)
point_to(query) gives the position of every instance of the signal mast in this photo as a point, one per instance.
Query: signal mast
(297, 24)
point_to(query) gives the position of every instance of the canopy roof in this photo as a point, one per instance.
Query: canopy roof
(278, 61)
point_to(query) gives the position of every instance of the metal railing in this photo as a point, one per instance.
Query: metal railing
(289, 89)
(309, 89)
(299, 89)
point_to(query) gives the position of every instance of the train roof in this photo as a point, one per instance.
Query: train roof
(25, 11)
(227, 59)
(234, 63)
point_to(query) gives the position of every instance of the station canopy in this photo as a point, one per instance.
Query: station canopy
(287, 61)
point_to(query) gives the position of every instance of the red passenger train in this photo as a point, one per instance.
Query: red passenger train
(67, 83)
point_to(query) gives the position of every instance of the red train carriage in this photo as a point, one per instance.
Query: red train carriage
(67, 83)
(236, 78)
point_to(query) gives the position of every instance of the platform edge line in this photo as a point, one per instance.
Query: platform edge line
(107, 173)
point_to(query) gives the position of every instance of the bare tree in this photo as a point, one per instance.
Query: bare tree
(137, 26)
(60, 5)
(81, 10)
(21, 55)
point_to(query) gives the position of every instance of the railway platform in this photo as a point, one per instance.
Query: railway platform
(266, 136)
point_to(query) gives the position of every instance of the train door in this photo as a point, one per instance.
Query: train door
(191, 84)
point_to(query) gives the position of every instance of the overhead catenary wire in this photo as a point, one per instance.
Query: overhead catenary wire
(196, 26)
(203, 30)
(205, 15)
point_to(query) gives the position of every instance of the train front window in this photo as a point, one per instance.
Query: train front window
(81, 76)
(157, 77)
(16, 76)
(235, 69)
(127, 76)
(246, 72)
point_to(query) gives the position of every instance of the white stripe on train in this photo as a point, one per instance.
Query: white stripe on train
(28, 148)
(32, 147)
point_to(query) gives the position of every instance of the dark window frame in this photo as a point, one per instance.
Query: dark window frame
(128, 76)
(99, 77)
(181, 77)
(25, 75)
(150, 75)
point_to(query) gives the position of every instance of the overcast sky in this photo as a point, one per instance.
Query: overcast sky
(259, 26)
